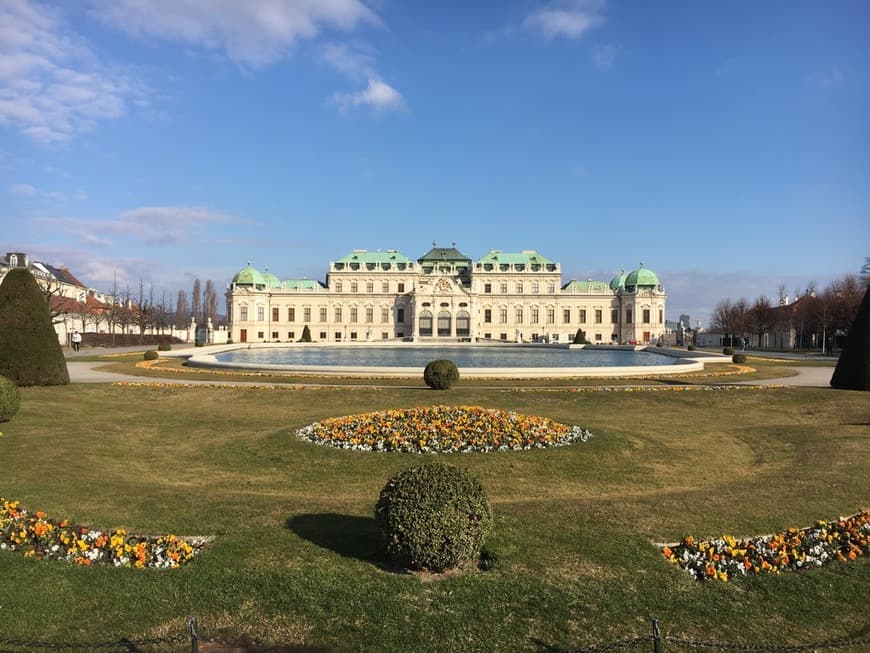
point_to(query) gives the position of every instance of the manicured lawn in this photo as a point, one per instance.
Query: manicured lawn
(294, 560)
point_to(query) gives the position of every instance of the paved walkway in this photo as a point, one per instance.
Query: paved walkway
(84, 372)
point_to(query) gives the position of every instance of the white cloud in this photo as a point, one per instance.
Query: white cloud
(249, 33)
(357, 61)
(54, 86)
(569, 19)
(153, 225)
(378, 95)
(604, 56)
(22, 189)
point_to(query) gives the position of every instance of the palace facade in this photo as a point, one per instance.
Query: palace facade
(445, 296)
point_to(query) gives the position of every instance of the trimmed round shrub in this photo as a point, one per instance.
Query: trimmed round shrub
(691, 347)
(10, 399)
(434, 517)
(441, 374)
(30, 353)
(164, 346)
(728, 350)
(151, 355)
(738, 358)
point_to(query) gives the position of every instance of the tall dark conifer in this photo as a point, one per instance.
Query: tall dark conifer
(853, 368)
(29, 351)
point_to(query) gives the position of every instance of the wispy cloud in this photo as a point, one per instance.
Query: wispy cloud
(604, 57)
(152, 225)
(251, 34)
(378, 95)
(52, 85)
(22, 189)
(568, 19)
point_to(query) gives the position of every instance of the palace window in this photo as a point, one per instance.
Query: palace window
(487, 288)
(323, 313)
(628, 316)
(502, 316)
(274, 335)
(323, 335)
(400, 315)
(535, 315)
(291, 314)
(385, 287)
(243, 313)
(520, 288)
(385, 335)
(582, 316)
(661, 316)
(425, 326)
(338, 286)
(597, 337)
(370, 314)
(551, 287)
(551, 316)
(503, 288)
(463, 324)
(291, 335)
(599, 317)
(370, 287)
(338, 314)
(566, 316)
(354, 286)
(275, 313)
(385, 315)
(503, 336)
(353, 335)
(401, 288)
(261, 313)
(519, 316)
(306, 314)
(444, 323)
(353, 314)
(535, 288)
(614, 316)
(487, 315)
(646, 316)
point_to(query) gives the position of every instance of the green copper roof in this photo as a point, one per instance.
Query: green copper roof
(582, 287)
(618, 282)
(303, 284)
(444, 254)
(271, 280)
(526, 257)
(248, 276)
(365, 256)
(642, 277)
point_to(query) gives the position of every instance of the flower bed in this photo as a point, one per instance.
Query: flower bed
(442, 429)
(36, 535)
(795, 549)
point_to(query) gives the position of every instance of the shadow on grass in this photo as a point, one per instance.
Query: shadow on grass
(346, 535)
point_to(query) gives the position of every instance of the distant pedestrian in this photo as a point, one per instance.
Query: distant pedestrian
(745, 344)
(76, 340)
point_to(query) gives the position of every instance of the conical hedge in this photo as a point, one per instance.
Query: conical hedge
(29, 351)
(853, 368)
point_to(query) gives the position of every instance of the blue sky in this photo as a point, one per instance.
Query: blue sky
(725, 145)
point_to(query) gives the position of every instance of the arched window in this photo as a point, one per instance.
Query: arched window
(425, 323)
(444, 323)
(463, 324)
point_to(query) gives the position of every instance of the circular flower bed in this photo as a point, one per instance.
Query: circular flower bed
(38, 536)
(442, 429)
(844, 539)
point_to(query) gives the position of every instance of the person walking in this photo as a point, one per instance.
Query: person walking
(76, 340)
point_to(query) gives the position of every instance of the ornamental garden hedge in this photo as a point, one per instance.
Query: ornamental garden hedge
(30, 353)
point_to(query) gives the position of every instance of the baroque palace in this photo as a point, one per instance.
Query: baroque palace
(445, 296)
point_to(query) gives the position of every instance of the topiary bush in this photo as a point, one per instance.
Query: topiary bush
(728, 350)
(164, 346)
(441, 374)
(306, 334)
(10, 399)
(151, 355)
(738, 358)
(580, 337)
(691, 347)
(433, 516)
(30, 352)
(853, 366)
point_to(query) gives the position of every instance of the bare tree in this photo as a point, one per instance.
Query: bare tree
(182, 310)
(761, 319)
(209, 302)
(196, 301)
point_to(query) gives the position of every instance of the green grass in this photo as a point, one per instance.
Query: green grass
(294, 560)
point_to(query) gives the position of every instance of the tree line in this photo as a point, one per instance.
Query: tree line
(814, 319)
